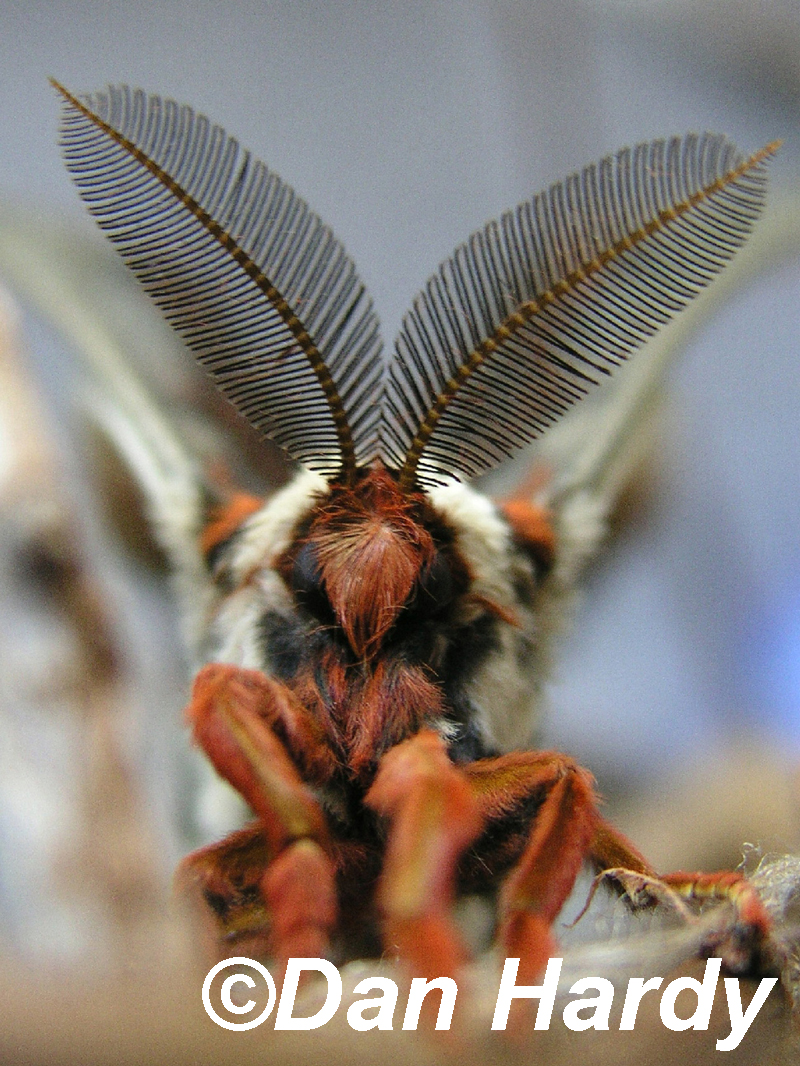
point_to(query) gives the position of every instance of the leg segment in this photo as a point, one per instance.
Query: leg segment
(557, 839)
(740, 940)
(237, 716)
(433, 818)
(222, 885)
(611, 850)
(537, 812)
(742, 934)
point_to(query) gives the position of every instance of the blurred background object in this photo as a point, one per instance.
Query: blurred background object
(407, 126)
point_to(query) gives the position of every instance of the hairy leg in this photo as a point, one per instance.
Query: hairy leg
(740, 938)
(247, 724)
(542, 806)
(222, 885)
(535, 813)
(433, 818)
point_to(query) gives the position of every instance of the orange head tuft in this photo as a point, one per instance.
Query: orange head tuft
(367, 549)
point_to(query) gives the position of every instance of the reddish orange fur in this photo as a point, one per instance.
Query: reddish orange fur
(532, 528)
(610, 850)
(230, 713)
(372, 542)
(368, 708)
(557, 848)
(433, 818)
(225, 520)
(356, 722)
(371, 549)
(300, 893)
(397, 699)
(434, 811)
(228, 873)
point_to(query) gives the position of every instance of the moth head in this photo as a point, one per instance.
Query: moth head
(369, 558)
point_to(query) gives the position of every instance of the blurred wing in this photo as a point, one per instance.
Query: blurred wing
(257, 286)
(537, 308)
(81, 287)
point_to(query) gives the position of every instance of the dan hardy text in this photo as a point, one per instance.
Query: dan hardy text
(580, 1013)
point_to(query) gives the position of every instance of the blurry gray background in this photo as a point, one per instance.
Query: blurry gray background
(407, 125)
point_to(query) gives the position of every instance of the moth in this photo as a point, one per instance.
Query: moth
(372, 639)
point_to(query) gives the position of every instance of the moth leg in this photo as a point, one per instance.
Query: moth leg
(237, 716)
(222, 885)
(620, 863)
(433, 817)
(555, 840)
(611, 850)
(742, 935)
(742, 941)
